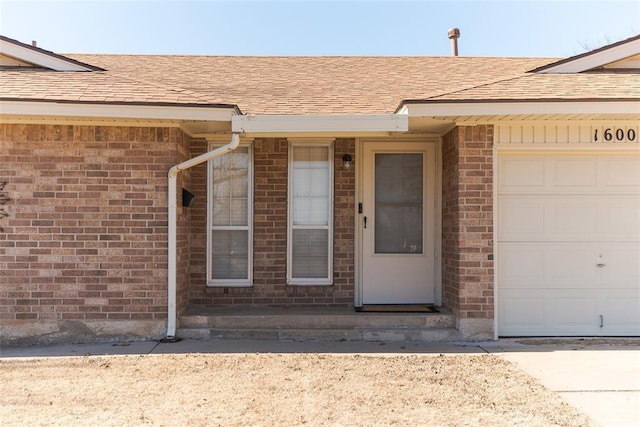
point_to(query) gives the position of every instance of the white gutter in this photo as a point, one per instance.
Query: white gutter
(173, 225)
(511, 108)
(116, 111)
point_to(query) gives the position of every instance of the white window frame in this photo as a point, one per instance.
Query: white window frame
(290, 226)
(228, 283)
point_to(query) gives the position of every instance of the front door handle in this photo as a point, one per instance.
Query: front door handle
(365, 222)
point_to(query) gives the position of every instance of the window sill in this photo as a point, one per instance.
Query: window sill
(309, 282)
(229, 284)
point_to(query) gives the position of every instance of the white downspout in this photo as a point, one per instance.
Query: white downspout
(173, 225)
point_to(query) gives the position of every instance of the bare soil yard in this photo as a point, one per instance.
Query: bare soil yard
(276, 390)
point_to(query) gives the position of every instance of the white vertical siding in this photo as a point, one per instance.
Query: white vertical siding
(567, 134)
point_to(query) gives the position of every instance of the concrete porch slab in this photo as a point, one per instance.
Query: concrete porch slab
(324, 324)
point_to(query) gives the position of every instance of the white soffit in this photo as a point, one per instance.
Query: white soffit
(117, 111)
(40, 57)
(266, 124)
(596, 59)
(458, 109)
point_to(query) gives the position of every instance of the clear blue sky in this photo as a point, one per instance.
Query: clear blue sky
(489, 28)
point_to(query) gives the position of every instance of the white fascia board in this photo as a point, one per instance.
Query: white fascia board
(280, 124)
(39, 58)
(118, 111)
(449, 109)
(596, 59)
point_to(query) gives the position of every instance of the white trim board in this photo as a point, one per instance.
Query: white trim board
(120, 111)
(508, 108)
(296, 123)
(40, 57)
(595, 59)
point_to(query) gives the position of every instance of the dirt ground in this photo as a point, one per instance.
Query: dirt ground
(276, 390)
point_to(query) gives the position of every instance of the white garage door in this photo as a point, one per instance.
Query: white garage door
(569, 244)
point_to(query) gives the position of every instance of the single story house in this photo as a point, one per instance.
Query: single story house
(505, 191)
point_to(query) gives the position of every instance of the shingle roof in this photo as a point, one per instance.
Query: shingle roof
(309, 85)
(99, 86)
(554, 87)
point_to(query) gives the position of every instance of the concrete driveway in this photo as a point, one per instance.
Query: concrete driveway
(601, 378)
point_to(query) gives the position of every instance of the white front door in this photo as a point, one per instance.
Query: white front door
(398, 223)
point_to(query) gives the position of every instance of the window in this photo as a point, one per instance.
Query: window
(398, 203)
(230, 219)
(310, 214)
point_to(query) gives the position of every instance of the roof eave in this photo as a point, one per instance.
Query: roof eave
(595, 58)
(448, 108)
(41, 57)
(115, 110)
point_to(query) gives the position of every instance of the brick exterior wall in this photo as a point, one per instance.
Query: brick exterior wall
(183, 226)
(467, 223)
(270, 235)
(198, 222)
(86, 239)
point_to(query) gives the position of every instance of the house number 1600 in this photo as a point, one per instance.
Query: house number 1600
(615, 134)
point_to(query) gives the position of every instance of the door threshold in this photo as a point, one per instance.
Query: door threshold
(398, 308)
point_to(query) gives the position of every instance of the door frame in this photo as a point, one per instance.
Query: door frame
(358, 222)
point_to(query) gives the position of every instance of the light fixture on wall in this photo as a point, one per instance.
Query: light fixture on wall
(346, 161)
(188, 198)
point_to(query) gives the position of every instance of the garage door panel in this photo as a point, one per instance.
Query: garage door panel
(524, 173)
(521, 218)
(620, 216)
(559, 265)
(572, 171)
(621, 173)
(548, 266)
(621, 265)
(521, 312)
(518, 173)
(571, 218)
(555, 313)
(621, 313)
(568, 311)
(561, 218)
(564, 313)
(571, 266)
(520, 264)
(568, 261)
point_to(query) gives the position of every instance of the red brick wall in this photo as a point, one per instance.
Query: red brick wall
(87, 235)
(183, 238)
(270, 235)
(467, 226)
(450, 222)
(198, 221)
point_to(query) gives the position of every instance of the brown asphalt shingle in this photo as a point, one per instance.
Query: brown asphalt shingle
(309, 85)
(95, 86)
(613, 85)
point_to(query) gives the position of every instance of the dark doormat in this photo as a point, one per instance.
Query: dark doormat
(398, 308)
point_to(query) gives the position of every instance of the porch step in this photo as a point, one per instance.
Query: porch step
(327, 324)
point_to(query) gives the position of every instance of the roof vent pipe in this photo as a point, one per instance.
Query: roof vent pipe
(454, 35)
(34, 43)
